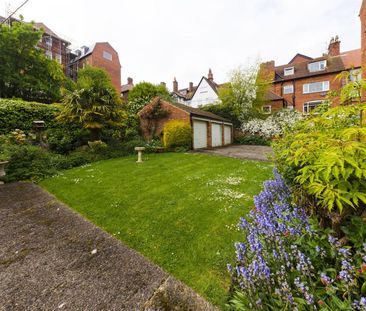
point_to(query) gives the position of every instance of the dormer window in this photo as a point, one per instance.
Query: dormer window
(317, 66)
(288, 71)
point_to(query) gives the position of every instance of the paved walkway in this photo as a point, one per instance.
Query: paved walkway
(53, 259)
(249, 152)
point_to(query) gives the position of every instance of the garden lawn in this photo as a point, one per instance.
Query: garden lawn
(179, 210)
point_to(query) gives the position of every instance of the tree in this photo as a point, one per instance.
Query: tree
(243, 97)
(94, 103)
(25, 72)
(143, 93)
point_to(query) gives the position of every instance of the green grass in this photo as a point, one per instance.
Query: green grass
(179, 210)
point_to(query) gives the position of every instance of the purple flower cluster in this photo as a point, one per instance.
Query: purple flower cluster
(268, 254)
(360, 305)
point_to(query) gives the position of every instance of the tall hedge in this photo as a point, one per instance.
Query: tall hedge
(19, 114)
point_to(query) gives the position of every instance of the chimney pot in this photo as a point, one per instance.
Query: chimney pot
(334, 48)
(175, 85)
(129, 81)
(210, 75)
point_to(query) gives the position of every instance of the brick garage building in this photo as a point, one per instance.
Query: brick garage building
(208, 129)
(100, 54)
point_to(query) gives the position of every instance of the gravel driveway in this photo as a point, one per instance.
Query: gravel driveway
(53, 259)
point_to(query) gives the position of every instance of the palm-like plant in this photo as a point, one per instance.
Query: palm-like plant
(94, 103)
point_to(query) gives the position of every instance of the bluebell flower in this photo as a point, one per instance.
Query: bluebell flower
(344, 252)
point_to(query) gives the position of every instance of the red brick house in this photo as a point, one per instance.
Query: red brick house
(208, 129)
(126, 88)
(100, 54)
(304, 82)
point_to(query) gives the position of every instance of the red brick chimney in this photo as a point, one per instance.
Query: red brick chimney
(175, 85)
(190, 88)
(334, 48)
(210, 75)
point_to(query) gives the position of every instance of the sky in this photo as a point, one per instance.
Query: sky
(158, 40)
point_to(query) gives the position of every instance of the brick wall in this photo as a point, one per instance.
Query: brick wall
(113, 66)
(174, 114)
(298, 98)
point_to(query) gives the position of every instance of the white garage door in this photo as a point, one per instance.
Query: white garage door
(227, 134)
(216, 134)
(199, 134)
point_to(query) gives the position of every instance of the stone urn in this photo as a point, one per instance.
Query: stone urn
(2, 170)
(139, 153)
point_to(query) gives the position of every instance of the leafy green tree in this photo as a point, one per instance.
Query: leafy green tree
(94, 103)
(245, 94)
(25, 71)
(143, 93)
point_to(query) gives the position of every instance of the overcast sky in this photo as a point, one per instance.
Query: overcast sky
(158, 40)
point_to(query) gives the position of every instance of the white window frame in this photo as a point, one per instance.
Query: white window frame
(58, 57)
(267, 109)
(48, 54)
(325, 87)
(288, 89)
(306, 105)
(289, 71)
(48, 40)
(321, 65)
(107, 55)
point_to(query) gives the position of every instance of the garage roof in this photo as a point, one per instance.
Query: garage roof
(200, 113)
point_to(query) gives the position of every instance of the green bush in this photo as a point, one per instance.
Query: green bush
(28, 162)
(324, 158)
(252, 140)
(177, 134)
(65, 139)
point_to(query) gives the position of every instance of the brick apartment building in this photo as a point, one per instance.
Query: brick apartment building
(54, 46)
(100, 54)
(304, 82)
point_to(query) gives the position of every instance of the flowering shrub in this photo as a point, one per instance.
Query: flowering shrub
(286, 263)
(324, 158)
(274, 125)
(177, 134)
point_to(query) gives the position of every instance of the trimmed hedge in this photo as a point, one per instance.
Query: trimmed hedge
(177, 134)
(20, 114)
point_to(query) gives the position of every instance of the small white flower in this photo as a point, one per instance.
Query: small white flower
(94, 251)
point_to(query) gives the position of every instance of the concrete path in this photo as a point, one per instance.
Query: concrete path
(53, 259)
(249, 152)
